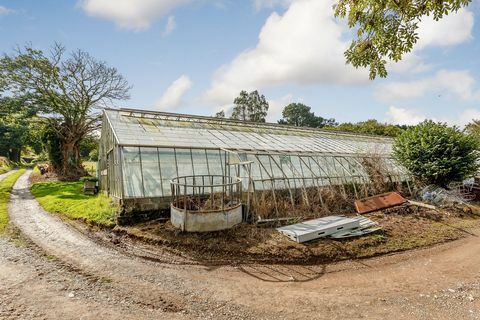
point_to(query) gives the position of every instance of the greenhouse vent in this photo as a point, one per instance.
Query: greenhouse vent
(147, 159)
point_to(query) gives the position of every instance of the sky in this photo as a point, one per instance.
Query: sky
(195, 56)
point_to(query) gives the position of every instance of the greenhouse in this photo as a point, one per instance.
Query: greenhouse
(279, 170)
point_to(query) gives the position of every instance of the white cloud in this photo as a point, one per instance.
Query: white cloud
(137, 15)
(407, 116)
(172, 97)
(411, 62)
(170, 26)
(275, 107)
(467, 116)
(302, 46)
(397, 115)
(459, 84)
(5, 11)
(451, 30)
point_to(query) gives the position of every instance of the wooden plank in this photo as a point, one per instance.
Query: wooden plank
(379, 202)
(421, 204)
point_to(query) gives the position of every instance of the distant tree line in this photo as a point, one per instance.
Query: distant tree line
(254, 107)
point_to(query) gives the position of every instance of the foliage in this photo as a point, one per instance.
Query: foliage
(220, 114)
(88, 144)
(473, 128)
(387, 29)
(16, 127)
(90, 167)
(67, 198)
(93, 155)
(70, 89)
(299, 115)
(370, 127)
(88, 178)
(6, 186)
(437, 154)
(250, 107)
(52, 145)
(5, 165)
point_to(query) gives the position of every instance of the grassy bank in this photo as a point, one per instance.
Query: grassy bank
(5, 165)
(4, 169)
(67, 199)
(5, 189)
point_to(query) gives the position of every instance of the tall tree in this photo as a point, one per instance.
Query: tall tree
(220, 114)
(250, 107)
(299, 115)
(16, 128)
(386, 30)
(70, 88)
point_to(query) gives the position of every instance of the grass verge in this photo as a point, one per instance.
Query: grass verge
(4, 169)
(67, 199)
(5, 190)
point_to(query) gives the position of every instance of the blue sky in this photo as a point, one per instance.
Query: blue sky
(194, 56)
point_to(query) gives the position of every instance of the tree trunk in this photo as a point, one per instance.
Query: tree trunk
(72, 168)
(14, 155)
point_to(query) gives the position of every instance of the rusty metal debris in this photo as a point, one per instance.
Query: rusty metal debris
(379, 202)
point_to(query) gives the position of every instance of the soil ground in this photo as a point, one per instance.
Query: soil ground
(403, 228)
(88, 279)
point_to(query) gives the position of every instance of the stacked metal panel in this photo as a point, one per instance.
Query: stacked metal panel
(336, 227)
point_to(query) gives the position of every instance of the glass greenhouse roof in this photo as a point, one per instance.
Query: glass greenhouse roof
(158, 129)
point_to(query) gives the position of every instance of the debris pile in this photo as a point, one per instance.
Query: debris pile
(438, 195)
(336, 227)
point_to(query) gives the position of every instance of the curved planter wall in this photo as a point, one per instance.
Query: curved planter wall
(204, 221)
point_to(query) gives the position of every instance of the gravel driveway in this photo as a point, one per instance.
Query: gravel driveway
(437, 283)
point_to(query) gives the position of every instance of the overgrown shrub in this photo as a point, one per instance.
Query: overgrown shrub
(93, 155)
(435, 153)
(52, 146)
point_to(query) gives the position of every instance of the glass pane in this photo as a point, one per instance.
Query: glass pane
(215, 163)
(151, 172)
(132, 173)
(200, 162)
(168, 168)
(184, 162)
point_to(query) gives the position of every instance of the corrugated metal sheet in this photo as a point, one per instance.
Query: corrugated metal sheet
(318, 228)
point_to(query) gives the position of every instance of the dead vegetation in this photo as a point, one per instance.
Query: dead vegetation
(212, 202)
(311, 197)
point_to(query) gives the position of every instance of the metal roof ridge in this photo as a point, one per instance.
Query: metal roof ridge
(250, 124)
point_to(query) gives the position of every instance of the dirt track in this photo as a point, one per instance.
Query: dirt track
(437, 283)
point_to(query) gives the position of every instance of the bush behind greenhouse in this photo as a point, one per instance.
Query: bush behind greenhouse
(435, 153)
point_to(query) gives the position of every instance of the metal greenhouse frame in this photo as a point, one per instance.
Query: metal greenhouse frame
(284, 170)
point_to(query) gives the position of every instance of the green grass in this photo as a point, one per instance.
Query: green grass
(5, 190)
(67, 199)
(91, 167)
